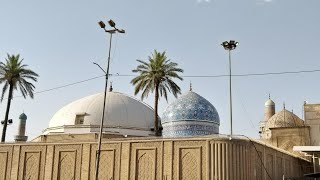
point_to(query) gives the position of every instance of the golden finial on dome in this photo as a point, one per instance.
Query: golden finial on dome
(190, 86)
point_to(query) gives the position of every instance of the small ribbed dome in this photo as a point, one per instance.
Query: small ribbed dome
(189, 115)
(269, 102)
(284, 118)
(122, 112)
(23, 116)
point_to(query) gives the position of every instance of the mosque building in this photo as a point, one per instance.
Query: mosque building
(283, 129)
(191, 147)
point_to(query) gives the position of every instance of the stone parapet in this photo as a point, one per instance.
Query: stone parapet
(207, 158)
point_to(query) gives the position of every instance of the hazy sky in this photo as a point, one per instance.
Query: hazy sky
(60, 40)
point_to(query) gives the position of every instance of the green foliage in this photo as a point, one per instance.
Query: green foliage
(159, 71)
(14, 73)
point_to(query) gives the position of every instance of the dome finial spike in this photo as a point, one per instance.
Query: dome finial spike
(284, 105)
(190, 86)
(269, 95)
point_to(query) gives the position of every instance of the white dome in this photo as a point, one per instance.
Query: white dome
(122, 112)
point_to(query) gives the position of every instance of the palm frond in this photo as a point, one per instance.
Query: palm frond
(158, 70)
(4, 89)
(16, 74)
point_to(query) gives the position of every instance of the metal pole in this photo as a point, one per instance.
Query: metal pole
(230, 91)
(314, 163)
(103, 112)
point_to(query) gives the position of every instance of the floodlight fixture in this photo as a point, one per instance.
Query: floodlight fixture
(102, 24)
(231, 45)
(9, 121)
(112, 23)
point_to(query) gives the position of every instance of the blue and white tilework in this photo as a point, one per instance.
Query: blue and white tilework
(190, 115)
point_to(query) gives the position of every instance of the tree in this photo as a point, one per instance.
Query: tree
(156, 76)
(15, 75)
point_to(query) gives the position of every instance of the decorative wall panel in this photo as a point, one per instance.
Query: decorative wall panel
(67, 162)
(106, 167)
(109, 161)
(191, 152)
(146, 164)
(146, 161)
(31, 165)
(66, 167)
(190, 163)
(3, 165)
(5, 161)
(32, 162)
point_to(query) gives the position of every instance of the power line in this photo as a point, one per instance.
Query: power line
(189, 76)
(241, 75)
(66, 85)
(258, 154)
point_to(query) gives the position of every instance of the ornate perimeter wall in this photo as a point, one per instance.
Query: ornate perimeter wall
(205, 158)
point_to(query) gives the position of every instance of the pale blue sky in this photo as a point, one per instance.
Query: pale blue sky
(60, 40)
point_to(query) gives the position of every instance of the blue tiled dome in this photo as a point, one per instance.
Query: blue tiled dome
(189, 115)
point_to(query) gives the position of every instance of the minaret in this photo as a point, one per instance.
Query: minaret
(110, 88)
(21, 137)
(269, 109)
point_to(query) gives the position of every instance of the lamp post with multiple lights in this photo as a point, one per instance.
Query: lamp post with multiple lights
(229, 46)
(112, 31)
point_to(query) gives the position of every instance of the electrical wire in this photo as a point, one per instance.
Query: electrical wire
(241, 75)
(264, 167)
(189, 76)
(63, 86)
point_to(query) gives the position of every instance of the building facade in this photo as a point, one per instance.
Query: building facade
(193, 158)
(191, 148)
(283, 129)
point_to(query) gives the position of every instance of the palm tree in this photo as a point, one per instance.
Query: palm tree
(156, 75)
(14, 74)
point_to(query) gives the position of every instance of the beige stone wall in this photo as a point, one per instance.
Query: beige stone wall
(206, 158)
(312, 119)
(287, 137)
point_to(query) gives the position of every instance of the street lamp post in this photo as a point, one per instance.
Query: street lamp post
(112, 31)
(231, 45)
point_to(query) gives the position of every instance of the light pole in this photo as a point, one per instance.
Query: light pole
(112, 31)
(231, 45)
